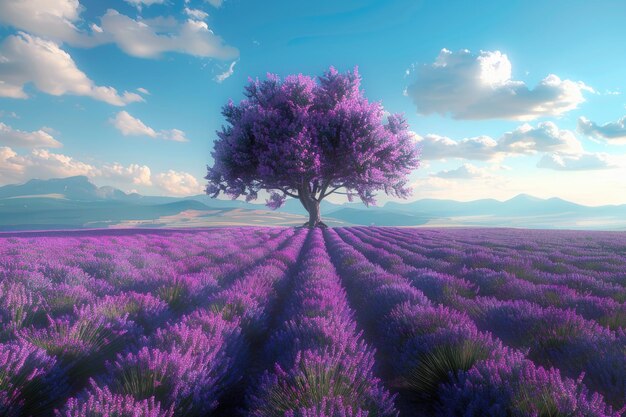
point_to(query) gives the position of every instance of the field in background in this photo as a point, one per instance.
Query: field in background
(341, 322)
(76, 203)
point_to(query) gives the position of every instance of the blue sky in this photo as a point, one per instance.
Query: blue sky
(504, 97)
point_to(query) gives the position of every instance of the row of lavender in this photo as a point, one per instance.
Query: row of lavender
(192, 323)
(318, 363)
(161, 325)
(549, 335)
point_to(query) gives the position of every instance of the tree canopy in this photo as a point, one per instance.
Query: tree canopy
(308, 138)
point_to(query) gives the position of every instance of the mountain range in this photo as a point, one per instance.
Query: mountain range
(75, 202)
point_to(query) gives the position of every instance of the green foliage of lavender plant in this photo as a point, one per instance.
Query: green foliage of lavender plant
(440, 366)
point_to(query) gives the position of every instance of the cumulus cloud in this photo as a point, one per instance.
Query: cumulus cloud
(465, 172)
(479, 86)
(60, 21)
(215, 3)
(43, 164)
(53, 19)
(140, 3)
(134, 173)
(582, 162)
(196, 13)
(132, 126)
(40, 163)
(11, 168)
(22, 139)
(546, 137)
(143, 91)
(441, 147)
(224, 75)
(524, 140)
(150, 38)
(613, 132)
(28, 59)
(178, 183)
(175, 135)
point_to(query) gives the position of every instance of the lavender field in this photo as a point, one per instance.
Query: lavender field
(309, 322)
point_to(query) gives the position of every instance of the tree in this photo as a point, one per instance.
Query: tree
(307, 139)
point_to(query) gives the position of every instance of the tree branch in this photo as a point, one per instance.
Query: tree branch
(331, 191)
(289, 194)
(323, 190)
(283, 189)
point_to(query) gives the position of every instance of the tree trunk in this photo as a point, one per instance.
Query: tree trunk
(312, 207)
(314, 213)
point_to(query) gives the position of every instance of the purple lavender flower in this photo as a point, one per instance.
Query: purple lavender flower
(317, 380)
(30, 380)
(101, 402)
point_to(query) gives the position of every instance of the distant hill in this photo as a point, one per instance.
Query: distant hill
(77, 188)
(521, 205)
(75, 202)
(520, 211)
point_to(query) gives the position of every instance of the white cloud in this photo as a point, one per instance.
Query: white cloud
(22, 139)
(11, 166)
(53, 19)
(546, 137)
(50, 130)
(230, 71)
(582, 162)
(150, 38)
(43, 164)
(524, 140)
(143, 91)
(134, 173)
(215, 3)
(60, 21)
(175, 135)
(441, 147)
(178, 183)
(140, 3)
(28, 59)
(465, 172)
(132, 126)
(196, 13)
(479, 86)
(613, 132)
(9, 114)
(433, 187)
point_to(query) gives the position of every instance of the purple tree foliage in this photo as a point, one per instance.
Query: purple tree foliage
(308, 139)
